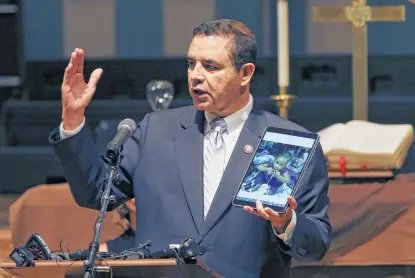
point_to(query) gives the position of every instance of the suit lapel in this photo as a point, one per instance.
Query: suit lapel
(250, 135)
(188, 144)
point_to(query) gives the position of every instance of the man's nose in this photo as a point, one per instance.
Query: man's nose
(196, 81)
(196, 76)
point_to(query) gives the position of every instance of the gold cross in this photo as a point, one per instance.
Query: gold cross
(358, 14)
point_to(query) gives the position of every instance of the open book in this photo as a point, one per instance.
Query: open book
(366, 145)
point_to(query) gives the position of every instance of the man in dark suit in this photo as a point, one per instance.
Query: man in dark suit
(184, 165)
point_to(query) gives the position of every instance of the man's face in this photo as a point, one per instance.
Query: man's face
(214, 84)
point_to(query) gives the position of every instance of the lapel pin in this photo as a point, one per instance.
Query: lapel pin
(248, 149)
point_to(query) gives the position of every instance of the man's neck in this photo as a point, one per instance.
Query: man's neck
(238, 105)
(244, 106)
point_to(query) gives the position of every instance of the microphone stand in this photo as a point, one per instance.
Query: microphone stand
(89, 265)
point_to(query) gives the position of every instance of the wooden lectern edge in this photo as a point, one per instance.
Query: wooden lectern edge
(141, 262)
(45, 269)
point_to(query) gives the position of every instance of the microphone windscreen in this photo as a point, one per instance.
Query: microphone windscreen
(128, 123)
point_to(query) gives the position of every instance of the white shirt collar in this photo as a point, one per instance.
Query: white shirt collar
(233, 121)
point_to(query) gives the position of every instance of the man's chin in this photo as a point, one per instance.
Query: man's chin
(202, 106)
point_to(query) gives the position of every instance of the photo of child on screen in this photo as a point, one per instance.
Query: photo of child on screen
(275, 175)
(274, 170)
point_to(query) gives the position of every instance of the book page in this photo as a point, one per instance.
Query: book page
(330, 135)
(372, 138)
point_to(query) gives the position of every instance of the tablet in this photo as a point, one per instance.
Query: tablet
(276, 168)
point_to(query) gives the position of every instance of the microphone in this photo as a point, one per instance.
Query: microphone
(139, 252)
(125, 130)
(166, 253)
(187, 250)
(35, 248)
(80, 254)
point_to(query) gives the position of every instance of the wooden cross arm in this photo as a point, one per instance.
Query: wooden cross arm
(388, 13)
(329, 13)
(336, 13)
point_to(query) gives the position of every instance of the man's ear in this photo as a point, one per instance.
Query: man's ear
(247, 71)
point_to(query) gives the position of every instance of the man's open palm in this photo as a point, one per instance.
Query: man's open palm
(76, 93)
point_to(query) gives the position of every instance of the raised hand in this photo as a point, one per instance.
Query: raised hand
(76, 93)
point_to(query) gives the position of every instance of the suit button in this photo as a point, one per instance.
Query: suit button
(301, 251)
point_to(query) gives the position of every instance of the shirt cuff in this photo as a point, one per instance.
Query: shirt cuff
(287, 235)
(68, 133)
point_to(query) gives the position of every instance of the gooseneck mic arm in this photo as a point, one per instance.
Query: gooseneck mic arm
(89, 265)
(126, 129)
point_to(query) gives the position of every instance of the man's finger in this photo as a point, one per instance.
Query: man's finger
(68, 74)
(292, 202)
(92, 84)
(272, 213)
(251, 210)
(95, 76)
(75, 60)
(69, 71)
(261, 210)
(81, 60)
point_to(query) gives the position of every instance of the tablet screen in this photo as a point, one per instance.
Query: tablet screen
(275, 169)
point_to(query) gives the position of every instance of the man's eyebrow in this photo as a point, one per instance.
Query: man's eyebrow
(209, 61)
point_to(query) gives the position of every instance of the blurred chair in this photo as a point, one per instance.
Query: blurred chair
(51, 211)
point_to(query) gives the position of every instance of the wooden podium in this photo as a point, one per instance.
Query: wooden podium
(148, 268)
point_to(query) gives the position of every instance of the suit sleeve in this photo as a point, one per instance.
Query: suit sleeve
(311, 238)
(87, 171)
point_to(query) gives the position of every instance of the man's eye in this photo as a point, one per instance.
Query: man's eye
(210, 67)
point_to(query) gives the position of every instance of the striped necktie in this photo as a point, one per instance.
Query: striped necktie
(214, 161)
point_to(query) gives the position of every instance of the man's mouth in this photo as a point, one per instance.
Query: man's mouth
(199, 92)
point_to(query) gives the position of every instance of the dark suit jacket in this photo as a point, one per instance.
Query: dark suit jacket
(161, 166)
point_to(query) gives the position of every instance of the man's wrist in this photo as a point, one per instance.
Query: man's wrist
(282, 229)
(72, 123)
(68, 133)
(286, 233)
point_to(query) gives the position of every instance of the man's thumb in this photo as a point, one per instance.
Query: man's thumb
(95, 76)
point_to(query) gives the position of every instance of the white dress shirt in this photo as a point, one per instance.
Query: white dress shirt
(234, 123)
